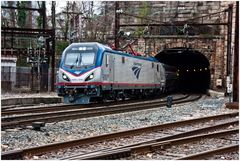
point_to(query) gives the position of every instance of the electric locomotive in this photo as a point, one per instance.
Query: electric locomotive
(92, 71)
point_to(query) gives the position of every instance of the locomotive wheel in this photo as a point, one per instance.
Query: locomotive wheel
(103, 99)
(123, 96)
(116, 96)
(71, 98)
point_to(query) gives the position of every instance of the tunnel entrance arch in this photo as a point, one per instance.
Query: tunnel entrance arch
(192, 68)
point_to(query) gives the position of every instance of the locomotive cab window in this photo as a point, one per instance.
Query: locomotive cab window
(152, 65)
(158, 68)
(80, 57)
(107, 60)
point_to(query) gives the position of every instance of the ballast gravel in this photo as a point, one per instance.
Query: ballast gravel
(177, 151)
(80, 128)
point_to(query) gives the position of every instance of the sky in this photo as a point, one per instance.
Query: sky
(61, 4)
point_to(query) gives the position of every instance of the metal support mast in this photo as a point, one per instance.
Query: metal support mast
(236, 58)
(229, 54)
(44, 14)
(53, 46)
(117, 22)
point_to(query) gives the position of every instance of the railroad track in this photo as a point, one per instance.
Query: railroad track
(163, 134)
(24, 120)
(124, 152)
(55, 108)
(207, 153)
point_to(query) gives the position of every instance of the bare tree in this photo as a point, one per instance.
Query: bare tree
(12, 14)
(29, 22)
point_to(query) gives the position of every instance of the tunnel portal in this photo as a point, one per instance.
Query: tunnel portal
(192, 68)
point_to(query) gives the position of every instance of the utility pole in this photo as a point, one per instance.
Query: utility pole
(72, 15)
(105, 19)
(44, 14)
(117, 22)
(236, 57)
(229, 54)
(53, 46)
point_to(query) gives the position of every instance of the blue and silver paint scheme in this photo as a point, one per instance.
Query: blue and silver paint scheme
(77, 84)
(76, 77)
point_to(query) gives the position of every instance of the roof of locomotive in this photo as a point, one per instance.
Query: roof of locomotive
(107, 48)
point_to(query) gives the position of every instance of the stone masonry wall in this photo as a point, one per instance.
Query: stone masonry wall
(214, 49)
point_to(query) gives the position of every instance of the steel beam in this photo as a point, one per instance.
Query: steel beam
(173, 24)
(22, 8)
(182, 37)
(23, 34)
(3, 29)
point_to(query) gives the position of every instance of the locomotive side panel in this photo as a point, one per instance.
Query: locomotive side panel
(133, 73)
(107, 69)
(126, 72)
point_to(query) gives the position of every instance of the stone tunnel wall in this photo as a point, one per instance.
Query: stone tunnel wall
(214, 48)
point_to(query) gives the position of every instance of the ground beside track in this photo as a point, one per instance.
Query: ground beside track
(75, 129)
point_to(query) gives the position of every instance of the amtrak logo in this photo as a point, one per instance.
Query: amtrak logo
(136, 69)
(77, 72)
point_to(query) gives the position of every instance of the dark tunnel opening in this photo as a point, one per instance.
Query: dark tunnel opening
(193, 72)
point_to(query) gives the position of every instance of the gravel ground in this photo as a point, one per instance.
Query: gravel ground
(75, 129)
(128, 140)
(229, 156)
(190, 148)
(203, 145)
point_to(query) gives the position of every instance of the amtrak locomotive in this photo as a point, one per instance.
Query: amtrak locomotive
(94, 72)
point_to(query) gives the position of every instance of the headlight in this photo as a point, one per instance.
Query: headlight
(91, 76)
(64, 76)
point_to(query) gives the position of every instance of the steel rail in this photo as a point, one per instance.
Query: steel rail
(117, 153)
(67, 107)
(77, 114)
(205, 154)
(172, 137)
(19, 154)
(70, 110)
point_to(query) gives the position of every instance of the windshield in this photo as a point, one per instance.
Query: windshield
(80, 57)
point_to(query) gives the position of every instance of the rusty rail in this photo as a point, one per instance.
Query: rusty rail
(127, 151)
(205, 154)
(19, 154)
(69, 107)
(81, 113)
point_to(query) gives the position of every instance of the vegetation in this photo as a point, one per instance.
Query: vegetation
(81, 21)
(60, 46)
(21, 14)
(39, 18)
(22, 62)
(143, 12)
